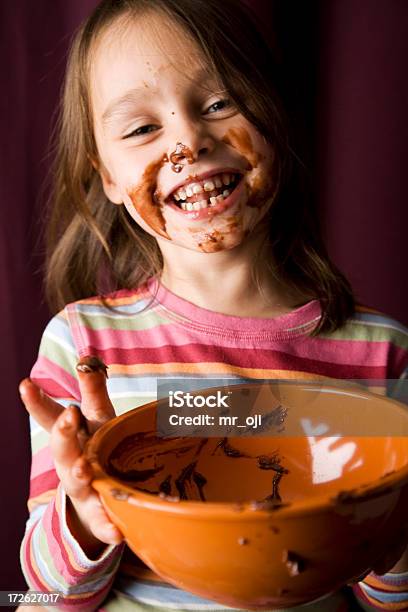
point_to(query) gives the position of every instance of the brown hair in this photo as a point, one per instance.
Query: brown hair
(94, 246)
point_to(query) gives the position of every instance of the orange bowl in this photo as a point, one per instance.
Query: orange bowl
(261, 521)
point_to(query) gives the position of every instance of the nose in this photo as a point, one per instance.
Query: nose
(191, 143)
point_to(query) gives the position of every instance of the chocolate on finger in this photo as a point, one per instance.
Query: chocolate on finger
(91, 363)
(96, 405)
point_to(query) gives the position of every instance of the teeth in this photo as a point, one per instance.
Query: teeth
(203, 204)
(209, 186)
(195, 188)
(220, 198)
(189, 206)
(196, 206)
(183, 205)
(213, 200)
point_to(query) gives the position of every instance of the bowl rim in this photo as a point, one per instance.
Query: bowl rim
(106, 484)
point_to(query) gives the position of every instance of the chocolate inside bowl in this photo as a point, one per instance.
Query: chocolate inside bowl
(327, 446)
(299, 512)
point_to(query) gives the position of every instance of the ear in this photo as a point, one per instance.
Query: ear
(110, 188)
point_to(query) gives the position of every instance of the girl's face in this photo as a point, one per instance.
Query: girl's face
(172, 147)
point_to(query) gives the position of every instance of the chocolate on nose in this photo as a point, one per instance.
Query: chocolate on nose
(179, 156)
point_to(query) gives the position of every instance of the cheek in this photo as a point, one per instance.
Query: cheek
(140, 201)
(262, 177)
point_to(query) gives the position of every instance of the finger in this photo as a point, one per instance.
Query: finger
(93, 514)
(81, 477)
(102, 527)
(39, 405)
(64, 440)
(95, 405)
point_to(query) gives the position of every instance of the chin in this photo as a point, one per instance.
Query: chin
(212, 241)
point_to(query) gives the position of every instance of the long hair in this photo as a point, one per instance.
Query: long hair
(94, 247)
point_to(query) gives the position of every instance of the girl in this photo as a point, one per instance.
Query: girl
(177, 206)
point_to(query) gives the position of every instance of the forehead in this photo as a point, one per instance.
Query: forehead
(141, 51)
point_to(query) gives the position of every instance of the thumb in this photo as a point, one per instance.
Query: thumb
(95, 405)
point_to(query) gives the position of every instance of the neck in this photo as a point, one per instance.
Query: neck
(224, 282)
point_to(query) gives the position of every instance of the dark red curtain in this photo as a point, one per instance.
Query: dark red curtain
(346, 62)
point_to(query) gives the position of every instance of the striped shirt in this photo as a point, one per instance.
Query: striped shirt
(150, 333)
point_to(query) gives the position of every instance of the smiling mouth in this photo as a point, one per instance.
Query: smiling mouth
(207, 193)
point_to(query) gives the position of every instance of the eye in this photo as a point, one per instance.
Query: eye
(219, 106)
(141, 131)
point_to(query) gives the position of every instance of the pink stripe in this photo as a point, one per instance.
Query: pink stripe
(55, 541)
(337, 351)
(42, 462)
(86, 603)
(245, 358)
(33, 578)
(44, 482)
(42, 372)
(250, 324)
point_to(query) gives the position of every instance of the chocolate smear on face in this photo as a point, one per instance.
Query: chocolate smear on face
(180, 154)
(145, 201)
(211, 242)
(91, 363)
(262, 188)
(241, 140)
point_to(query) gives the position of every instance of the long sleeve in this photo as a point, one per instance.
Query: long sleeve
(389, 591)
(51, 558)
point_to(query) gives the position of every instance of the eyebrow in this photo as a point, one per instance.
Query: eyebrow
(121, 105)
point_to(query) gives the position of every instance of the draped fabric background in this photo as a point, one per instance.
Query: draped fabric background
(346, 60)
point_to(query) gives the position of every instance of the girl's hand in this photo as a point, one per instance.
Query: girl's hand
(69, 429)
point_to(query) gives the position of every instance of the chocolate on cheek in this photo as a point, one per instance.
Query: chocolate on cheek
(240, 140)
(264, 183)
(146, 200)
